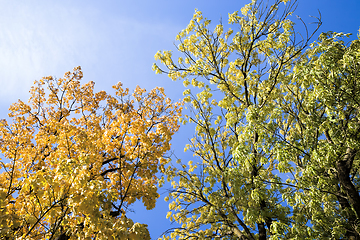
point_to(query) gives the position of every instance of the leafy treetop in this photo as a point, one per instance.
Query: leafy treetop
(75, 159)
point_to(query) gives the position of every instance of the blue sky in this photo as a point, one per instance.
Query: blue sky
(116, 41)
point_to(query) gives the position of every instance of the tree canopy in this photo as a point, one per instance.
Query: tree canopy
(74, 160)
(277, 129)
(276, 146)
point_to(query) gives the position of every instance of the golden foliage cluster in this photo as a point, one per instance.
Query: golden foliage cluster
(75, 159)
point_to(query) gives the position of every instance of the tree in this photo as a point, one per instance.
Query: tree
(321, 136)
(75, 160)
(277, 151)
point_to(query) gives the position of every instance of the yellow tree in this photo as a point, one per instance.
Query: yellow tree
(74, 160)
(233, 189)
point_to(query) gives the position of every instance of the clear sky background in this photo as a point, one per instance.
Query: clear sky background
(116, 41)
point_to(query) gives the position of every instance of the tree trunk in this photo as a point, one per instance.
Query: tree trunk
(343, 169)
(262, 231)
(352, 202)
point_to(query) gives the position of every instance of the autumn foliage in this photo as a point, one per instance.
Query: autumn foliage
(75, 159)
(276, 142)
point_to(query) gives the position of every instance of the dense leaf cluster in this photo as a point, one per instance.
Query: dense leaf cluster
(75, 160)
(277, 129)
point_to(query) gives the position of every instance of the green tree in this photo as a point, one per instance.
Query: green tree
(321, 137)
(277, 130)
